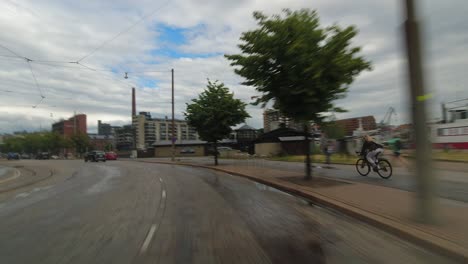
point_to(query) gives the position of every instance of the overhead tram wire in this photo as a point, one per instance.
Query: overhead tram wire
(53, 62)
(92, 69)
(82, 66)
(12, 52)
(36, 105)
(35, 80)
(9, 57)
(148, 71)
(123, 31)
(30, 68)
(51, 96)
(55, 65)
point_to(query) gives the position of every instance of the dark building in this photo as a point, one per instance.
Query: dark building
(283, 141)
(246, 133)
(351, 124)
(123, 137)
(273, 119)
(104, 129)
(73, 125)
(101, 142)
(245, 136)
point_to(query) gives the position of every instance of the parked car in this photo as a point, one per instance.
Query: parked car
(13, 156)
(221, 149)
(111, 155)
(25, 156)
(95, 156)
(43, 156)
(187, 151)
(54, 157)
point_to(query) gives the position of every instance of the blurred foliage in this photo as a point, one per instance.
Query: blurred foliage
(109, 147)
(333, 130)
(302, 67)
(80, 142)
(36, 142)
(214, 112)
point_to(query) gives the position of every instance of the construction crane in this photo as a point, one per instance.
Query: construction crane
(388, 117)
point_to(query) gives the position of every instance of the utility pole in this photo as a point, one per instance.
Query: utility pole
(173, 121)
(74, 132)
(425, 180)
(74, 123)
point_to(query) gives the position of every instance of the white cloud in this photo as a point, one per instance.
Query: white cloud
(68, 30)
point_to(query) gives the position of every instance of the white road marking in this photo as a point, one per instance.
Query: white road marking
(153, 228)
(22, 195)
(160, 179)
(16, 175)
(150, 235)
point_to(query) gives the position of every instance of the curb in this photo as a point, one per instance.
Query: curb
(416, 236)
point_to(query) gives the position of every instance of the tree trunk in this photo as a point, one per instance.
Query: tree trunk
(216, 153)
(308, 165)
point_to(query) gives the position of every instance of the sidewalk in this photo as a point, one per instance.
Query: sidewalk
(387, 208)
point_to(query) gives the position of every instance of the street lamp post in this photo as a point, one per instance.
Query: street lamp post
(425, 193)
(173, 121)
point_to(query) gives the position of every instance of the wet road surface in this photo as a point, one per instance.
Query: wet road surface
(131, 212)
(451, 184)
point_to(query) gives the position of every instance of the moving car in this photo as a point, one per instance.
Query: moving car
(111, 155)
(95, 156)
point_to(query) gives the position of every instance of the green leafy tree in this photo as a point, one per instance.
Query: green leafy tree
(302, 67)
(54, 142)
(81, 142)
(214, 113)
(13, 144)
(37, 142)
(333, 130)
(109, 147)
(33, 143)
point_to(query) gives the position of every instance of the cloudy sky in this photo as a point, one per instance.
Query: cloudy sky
(191, 37)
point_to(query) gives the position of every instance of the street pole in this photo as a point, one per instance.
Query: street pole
(173, 121)
(425, 181)
(74, 123)
(74, 132)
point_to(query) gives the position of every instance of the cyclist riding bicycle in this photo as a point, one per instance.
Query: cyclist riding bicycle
(370, 149)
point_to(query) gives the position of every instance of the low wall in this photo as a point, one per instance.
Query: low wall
(267, 149)
(181, 151)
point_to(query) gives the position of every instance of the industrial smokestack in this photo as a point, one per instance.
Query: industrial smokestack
(133, 102)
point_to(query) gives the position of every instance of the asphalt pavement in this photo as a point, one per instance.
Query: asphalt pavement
(131, 212)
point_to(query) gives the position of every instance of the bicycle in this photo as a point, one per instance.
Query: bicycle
(384, 167)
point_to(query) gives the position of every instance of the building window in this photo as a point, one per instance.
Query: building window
(440, 132)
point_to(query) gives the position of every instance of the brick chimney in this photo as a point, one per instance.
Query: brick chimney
(133, 102)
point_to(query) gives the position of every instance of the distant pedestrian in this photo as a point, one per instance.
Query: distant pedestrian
(324, 144)
(396, 147)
